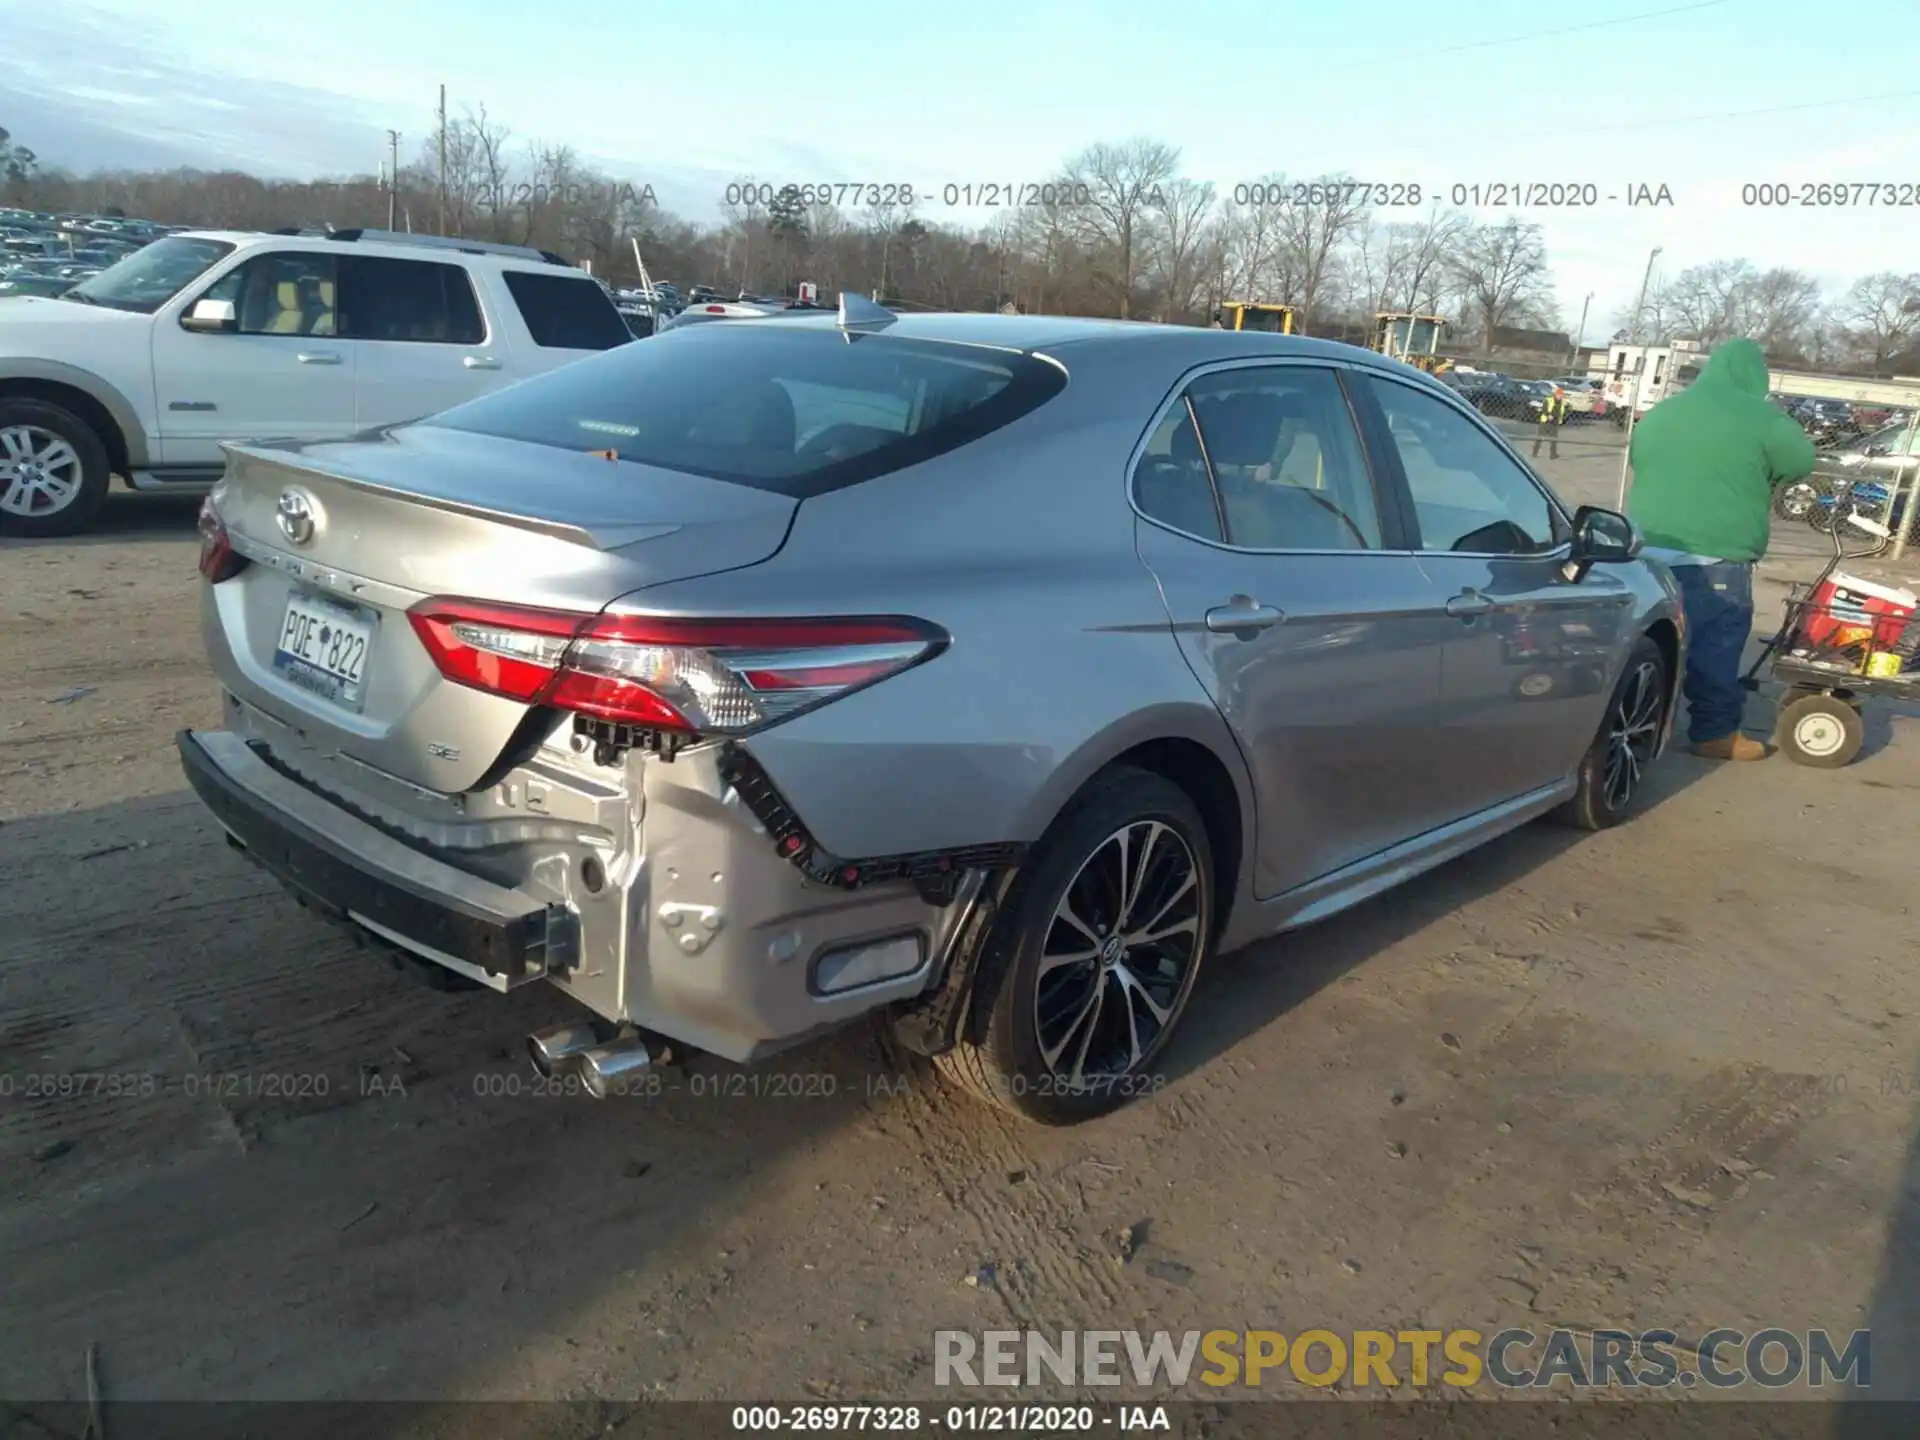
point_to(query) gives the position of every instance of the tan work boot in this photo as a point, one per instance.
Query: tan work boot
(1731, 747)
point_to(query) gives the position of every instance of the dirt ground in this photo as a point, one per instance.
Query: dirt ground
(1660, 1077)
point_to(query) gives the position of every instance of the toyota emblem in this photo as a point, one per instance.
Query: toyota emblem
(297, 514)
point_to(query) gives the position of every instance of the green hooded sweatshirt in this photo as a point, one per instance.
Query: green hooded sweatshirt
(1705, 460)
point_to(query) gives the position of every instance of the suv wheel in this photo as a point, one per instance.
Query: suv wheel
(53, 469)
(1090, 966)
(1616, 763)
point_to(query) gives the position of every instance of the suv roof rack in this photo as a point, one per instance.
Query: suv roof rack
(450, 242)
(435, 242)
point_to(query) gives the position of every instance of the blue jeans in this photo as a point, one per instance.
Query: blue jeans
(1719, 601)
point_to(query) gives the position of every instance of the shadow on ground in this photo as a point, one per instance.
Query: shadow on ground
(211, 1090)
(127, 516)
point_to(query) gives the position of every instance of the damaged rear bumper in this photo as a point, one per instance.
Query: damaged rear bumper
(350, 870)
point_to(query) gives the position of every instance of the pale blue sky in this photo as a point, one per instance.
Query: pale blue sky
(690, 96)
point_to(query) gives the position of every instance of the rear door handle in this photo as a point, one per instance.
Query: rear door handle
(480, 362)
(319, 357)
(1469, 603)
(1243, 617)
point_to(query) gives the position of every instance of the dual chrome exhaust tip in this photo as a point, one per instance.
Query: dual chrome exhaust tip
(604, 1065)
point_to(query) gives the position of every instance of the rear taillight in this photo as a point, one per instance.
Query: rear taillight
(702, 677)
(218, 559)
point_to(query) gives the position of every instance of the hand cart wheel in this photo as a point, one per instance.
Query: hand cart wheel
(1820, 730)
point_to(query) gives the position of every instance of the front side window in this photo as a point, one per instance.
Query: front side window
(796, 411)
(1286, 459)
(566, 312)
(1469, 495)
(152, 275)
(287, 292)
(424, 302)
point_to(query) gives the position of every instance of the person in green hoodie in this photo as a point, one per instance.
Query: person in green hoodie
(1705, 464)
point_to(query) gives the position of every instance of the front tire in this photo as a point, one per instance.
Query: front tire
(1615, 764)
(1091, 963)
(54, 470)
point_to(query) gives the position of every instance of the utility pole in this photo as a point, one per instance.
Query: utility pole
(1639, 378)
(1581, 339)
(1640, 306)
(443, 159)
(393, 179)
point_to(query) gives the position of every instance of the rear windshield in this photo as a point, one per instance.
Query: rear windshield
(798, 412)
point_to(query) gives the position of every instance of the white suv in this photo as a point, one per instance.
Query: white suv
(210, 336)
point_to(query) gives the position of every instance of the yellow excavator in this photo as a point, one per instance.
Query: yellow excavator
(1252, 315)
(1412, 337)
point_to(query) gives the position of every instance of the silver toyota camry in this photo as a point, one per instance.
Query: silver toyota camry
(990, 673)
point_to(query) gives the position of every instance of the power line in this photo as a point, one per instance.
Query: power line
(1746, 114)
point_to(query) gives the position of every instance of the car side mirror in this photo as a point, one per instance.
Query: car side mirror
(1600, 537)
(1879, 450)
(211, 317)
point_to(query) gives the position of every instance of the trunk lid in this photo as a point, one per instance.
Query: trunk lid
(373, 526)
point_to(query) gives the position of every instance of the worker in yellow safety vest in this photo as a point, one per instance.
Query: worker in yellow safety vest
(1553, 414)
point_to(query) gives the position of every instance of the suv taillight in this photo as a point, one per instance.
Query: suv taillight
(218, 559)
(698, 677)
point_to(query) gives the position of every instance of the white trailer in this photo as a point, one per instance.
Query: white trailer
(1639, 377)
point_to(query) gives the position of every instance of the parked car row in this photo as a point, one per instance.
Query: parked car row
(1837, 424)
(41, 254)
(1856, 476)
(1503, 396)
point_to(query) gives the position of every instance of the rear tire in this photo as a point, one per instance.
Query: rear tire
(1614, 767)
(54, 470)
(1090, 965)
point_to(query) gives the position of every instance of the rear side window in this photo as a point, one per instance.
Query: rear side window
(798, 412)
(566, 313)
(421, 301)
(1170, 480)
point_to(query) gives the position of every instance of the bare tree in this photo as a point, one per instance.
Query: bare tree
(1502, 272)
(1709, 302)
(1185, 208)
(1418, 257)
(745, 214)
(882, 223)
(1879, 316)
(1313, 230)
(1120, 187)
(487, 144)
(1784, 312)
(1255, 264)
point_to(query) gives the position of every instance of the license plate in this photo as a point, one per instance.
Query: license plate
(324, 647)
